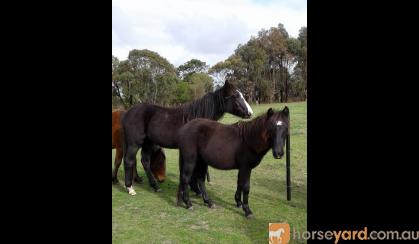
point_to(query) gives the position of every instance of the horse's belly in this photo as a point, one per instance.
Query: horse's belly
(162, 131)
(222, 165)
(163, 138)
(164, 142)
(219, 156)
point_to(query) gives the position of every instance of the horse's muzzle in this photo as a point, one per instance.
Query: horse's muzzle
(277, 155)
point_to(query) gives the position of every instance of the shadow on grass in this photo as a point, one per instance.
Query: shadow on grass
(119, 186)
(169, 190)
(230, 205)
(277, 186)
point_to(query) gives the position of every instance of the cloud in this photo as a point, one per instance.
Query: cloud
(208, 30)
(209, 35)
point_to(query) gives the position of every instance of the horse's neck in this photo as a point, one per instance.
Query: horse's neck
(218, 114)
(257, 139)
(216, 107)
(218, 110)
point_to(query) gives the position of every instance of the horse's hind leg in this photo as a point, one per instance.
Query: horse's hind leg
(244, 184)
(118, 160)
(129, 162)
(194, 184)
(186, 166)
(202, 169)
(179, 192)
(145, 160)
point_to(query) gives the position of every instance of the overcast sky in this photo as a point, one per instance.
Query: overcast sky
(207, 30)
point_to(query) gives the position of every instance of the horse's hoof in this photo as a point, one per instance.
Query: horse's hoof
(131, 191)
(239, 205)
(250, 216)
(212, 206)
(198, 194)
(190, 208)
(157, 189)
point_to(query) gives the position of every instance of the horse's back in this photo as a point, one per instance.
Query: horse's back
(191, 130)
(196, 127)
(155, 122)
(215, 143)
(142, 112)
(135, 112)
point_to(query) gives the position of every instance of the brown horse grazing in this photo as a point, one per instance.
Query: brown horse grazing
(158, 158)
(145, 125)
(239, 146)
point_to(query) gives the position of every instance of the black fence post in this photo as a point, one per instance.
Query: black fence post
(288, 163)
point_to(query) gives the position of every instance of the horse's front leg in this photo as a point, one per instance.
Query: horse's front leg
(238, 196)
(244, 183)
(145, 160)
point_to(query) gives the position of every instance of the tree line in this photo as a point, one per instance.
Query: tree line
(270, 67)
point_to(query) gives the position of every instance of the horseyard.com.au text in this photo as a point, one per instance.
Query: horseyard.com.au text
(363, 234)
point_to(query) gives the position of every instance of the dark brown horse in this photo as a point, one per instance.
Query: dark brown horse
(158, 158)
(239, 146)
(145, 125)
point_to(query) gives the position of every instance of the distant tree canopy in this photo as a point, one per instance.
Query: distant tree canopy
(144, 77)
(271, 67)
(191, 67)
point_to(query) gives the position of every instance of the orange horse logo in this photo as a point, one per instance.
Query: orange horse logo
(279, 233)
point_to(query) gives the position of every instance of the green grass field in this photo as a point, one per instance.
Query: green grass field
(151, 217)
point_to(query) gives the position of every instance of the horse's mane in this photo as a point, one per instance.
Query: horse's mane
(210, 106)
(251, 129)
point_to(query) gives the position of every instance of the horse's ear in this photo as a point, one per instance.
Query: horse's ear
(270, 112)
(286, 111)
(226, 88)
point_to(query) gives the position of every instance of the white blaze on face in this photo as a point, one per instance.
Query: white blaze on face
(249, 109)
(279, 122)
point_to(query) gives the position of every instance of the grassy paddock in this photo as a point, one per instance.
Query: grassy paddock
(151, 217)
